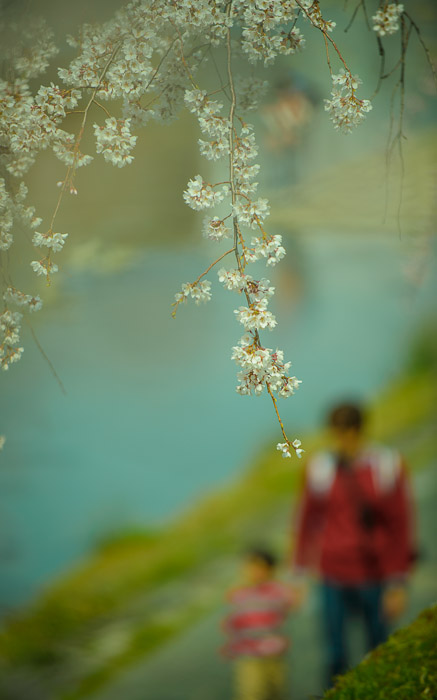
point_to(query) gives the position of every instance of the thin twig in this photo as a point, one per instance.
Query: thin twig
(46, 357)
(216, 68)
(424, 46)
(381, 75)
(193, 284)
(102, 107)
(71, 168)
(231, 250)
(405, 34)
(275, 404)
(354, 14)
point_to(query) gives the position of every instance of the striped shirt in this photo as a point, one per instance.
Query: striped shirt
(256, 618)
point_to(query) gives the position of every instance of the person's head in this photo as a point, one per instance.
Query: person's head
(346, 423)
(259, 565)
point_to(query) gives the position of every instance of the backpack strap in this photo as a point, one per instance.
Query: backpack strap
(386, 467)
(321, 473)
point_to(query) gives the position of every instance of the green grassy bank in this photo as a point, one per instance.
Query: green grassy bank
(405, 667)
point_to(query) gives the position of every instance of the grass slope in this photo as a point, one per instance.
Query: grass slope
(405, 667)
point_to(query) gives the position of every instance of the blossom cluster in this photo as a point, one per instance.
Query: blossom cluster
(284, 447)
(268, 29)
(386, 19)
(215, 229)
(54, 241)
(269, 247)
(29, 302)
(262, 367)
(30, 64)
(199, 291)
(115, 141)
(13, 210)
(6, 217)
(10, 322)
(256, 316)
(345, 108)
(44, 267)
(252, 213)
(31, 124)
(314, 14)
(200, 195)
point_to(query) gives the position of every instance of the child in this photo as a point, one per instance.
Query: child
(256, 643)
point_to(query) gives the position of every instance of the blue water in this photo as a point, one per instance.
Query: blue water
(151, 420)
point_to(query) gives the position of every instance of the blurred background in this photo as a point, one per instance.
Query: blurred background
(124, 503)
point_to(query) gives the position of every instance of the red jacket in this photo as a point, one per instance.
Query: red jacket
(355, 521)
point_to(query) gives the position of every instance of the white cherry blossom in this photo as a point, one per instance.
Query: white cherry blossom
(232, 279)
(386, 19)
(115, 141)
(250, 213)
(215, 229)
(284, 447)
(270, 248)
(345, 108)
(14, 296)
(199, 291)
(200, 195)
(43, 267)
(297, 448)
(55, 241)
(256, 316)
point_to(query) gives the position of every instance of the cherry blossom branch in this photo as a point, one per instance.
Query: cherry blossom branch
(284, 447)
(319, 26)
(102, 107)
(361, 3)
(231, 250)
(405, 35)
(424, 46)
(237, 234)
(186, 66)
(275, 404)
(72, 168)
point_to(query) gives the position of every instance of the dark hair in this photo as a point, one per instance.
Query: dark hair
(346, 415)
(263, 555)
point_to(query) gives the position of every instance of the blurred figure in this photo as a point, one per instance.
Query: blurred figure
(259, 609)
(288, 114)
(355, 531)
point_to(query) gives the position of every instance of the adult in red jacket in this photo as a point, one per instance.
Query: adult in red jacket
(355, 531)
